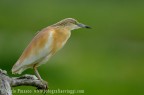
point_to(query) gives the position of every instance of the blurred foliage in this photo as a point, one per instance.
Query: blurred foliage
(106, 60)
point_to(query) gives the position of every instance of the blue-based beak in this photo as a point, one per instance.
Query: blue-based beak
(83, 26)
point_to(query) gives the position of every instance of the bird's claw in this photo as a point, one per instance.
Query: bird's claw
(44, 85)
(44, 88)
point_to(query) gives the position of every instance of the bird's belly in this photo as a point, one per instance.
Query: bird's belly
(51, 49)
(44, 60)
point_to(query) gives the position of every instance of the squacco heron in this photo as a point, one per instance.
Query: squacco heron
(45, 44)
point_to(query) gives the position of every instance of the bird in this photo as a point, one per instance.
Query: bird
(45, 44)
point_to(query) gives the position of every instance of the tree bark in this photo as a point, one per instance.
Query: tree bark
(7, 82)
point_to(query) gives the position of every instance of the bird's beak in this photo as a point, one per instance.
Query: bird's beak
(83, 26)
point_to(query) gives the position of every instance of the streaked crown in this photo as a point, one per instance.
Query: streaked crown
(66, 22)
(70, 24)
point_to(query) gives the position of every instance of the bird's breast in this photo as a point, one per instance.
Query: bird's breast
(60, 37)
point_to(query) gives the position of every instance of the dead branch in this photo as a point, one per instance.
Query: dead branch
(7, 82)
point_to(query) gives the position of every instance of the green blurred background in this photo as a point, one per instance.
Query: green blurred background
(105, 60)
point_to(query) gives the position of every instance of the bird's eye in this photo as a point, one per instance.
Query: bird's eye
(74, 22)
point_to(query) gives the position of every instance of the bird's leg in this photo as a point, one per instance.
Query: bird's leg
(37, 74)
(39, 77)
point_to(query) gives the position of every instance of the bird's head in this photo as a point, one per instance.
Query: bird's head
(70, 24)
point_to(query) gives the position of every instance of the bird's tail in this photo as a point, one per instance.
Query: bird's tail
(17, 69)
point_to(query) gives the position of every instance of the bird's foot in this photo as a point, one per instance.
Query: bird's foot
(45, 85)
(44, 88)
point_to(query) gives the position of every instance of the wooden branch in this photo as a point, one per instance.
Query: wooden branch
(7, 82)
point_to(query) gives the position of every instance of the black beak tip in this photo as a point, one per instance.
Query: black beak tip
(88, 27)
(83, 26)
